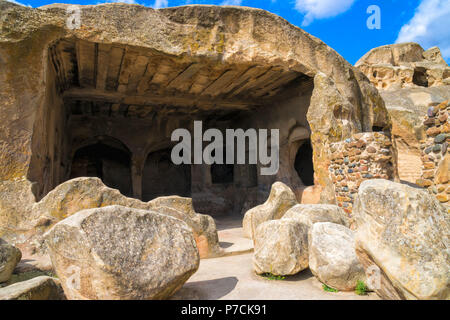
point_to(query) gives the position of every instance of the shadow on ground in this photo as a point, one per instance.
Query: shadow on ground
(225, 245)
(302, 276)
(206, 290)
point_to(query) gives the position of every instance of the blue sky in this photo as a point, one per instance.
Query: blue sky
(341, 23)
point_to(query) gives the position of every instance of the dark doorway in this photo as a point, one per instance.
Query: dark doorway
(304, 163)
(222, 173)
(110, 164)
(377, 129)
(420, 77)
(162, 177)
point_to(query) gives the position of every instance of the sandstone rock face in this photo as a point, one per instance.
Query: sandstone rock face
(411, 80)
(235, 48)
(407, 108)
(117, 252)
(16, 202)
(332, 256)
(404, 231)
(86, 193)
(9, 258)
(328, 97)
(310, 214)
(281, 247)
(404, 65)
(280, 200)
(39, 288)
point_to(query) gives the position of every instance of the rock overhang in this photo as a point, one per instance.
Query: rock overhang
(177, 31)
(260, 50)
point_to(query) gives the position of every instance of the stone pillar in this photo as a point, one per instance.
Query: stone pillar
(362, 157)
(137, 168)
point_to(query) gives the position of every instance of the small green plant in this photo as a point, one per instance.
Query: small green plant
(328, 289)
(361, 288)
(271, 276)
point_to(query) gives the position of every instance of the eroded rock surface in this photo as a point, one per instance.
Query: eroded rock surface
(404, 65)
(404, 231)
(309, 214)
(332, 256)
(281, 247)
(39, 288)
(410, 81)
(280, 200)
(408, 107)
(9, 258)
(122, 253)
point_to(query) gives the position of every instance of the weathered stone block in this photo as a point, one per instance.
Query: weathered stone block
(122, 253)
(404, 232)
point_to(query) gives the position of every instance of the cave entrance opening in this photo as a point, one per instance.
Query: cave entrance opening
(304, 163)
(137, 97)
(161, 177)
(111, 164)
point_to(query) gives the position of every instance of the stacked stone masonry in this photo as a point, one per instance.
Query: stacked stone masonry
(364, 156)
(435, 153)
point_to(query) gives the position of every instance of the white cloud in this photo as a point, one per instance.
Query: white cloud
(231, 3)
(430, 26)
(20, 4)
(160, 4)
(320, 9)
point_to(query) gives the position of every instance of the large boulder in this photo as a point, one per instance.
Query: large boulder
(9, 258)
(332, 257)
(312, 213)
(281, 247)
(203, 226)
(280, 200)
(39, 288)
(118, 252)
(403, 231)
(88, 193)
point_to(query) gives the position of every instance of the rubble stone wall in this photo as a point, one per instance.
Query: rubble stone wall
(362, 157)
(435, 153)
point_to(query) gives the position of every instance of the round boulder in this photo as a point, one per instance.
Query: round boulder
(118, 252)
